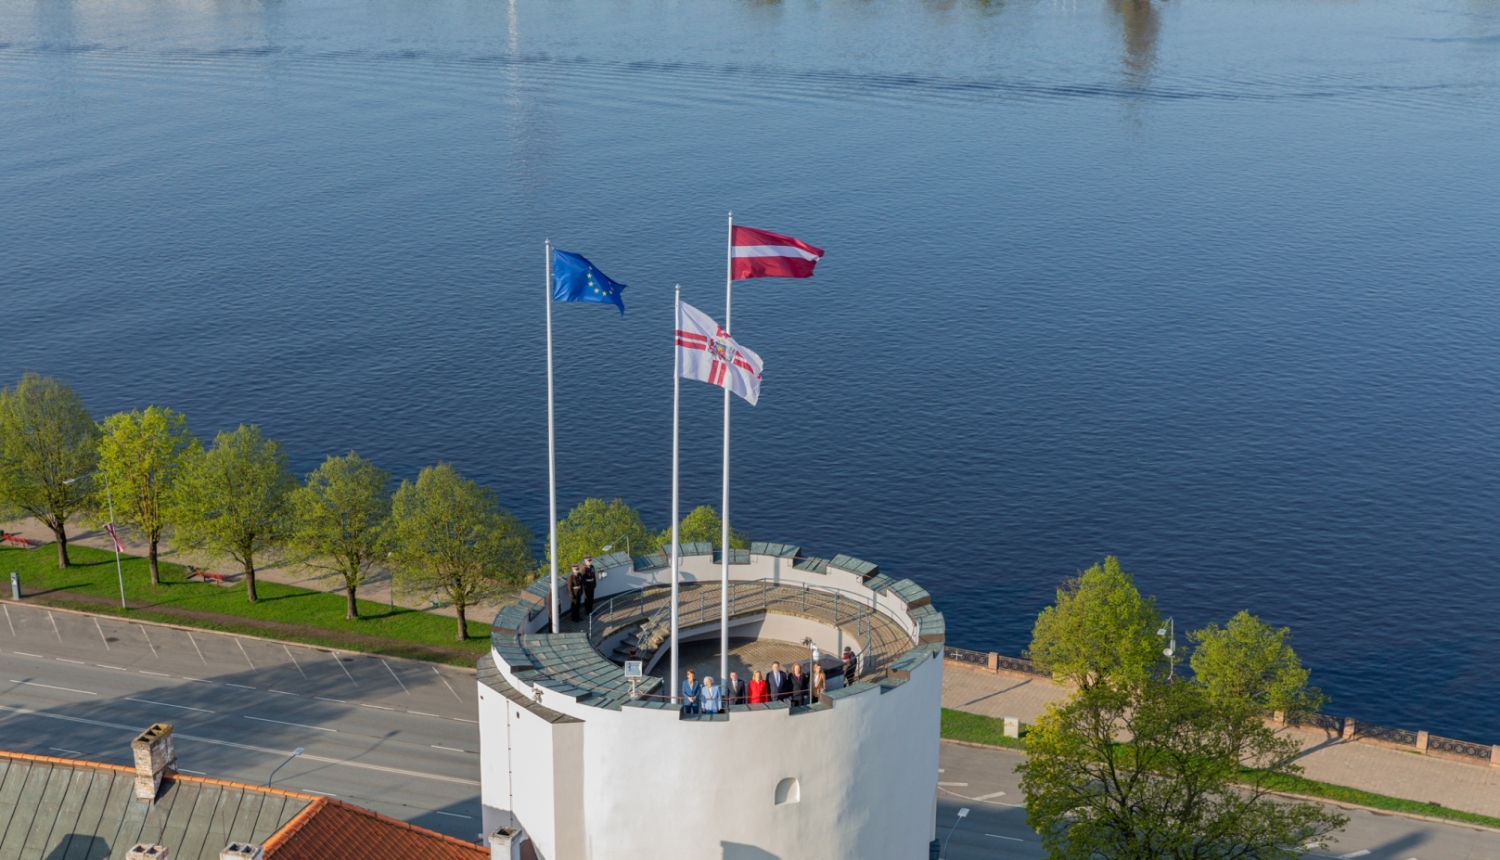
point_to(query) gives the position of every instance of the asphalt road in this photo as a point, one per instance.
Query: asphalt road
(396, 736)
(984, 781)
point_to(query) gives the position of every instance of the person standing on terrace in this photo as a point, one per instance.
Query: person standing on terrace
(759, 691)
(819, 682)
(711, 695)
(692, 691)
(734, 690)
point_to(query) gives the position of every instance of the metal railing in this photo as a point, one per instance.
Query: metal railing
(1386, 734)
(1463, 748)
(982, 658)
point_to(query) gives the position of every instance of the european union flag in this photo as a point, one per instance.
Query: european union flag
(575, 279)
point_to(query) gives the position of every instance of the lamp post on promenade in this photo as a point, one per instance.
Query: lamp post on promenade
(611, 545)
(1170, 652)
(109, 497)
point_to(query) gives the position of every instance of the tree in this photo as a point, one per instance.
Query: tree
(232, 498)
(1193, 782)
(142, 453)
(1253, 661)
(449, 536)
(339, 518)
(702, 524)
(591, 525)
(47, 441)
(1100, 629)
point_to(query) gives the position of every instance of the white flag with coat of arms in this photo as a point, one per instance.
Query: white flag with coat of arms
(707, 353)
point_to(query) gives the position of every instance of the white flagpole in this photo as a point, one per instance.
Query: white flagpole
(551, 449)
(676, 396)
(724, 538)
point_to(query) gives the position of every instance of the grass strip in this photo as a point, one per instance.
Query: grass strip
(285, 612)
(978, 729)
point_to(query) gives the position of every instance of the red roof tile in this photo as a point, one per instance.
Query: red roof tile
(333, 830)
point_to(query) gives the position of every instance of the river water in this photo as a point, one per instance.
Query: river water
(1211, 286)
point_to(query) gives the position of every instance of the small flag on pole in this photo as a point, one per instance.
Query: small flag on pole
(762, 254)
(574, 279)
(707, 353)
(110, 527)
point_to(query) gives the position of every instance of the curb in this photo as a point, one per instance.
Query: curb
(187, 629)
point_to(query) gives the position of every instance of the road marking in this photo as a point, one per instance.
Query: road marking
(102, 636)
(168, 705)
(998, 836)
(66, 660)
(1352, 855)
(285, 723)
(393, 675)
(13, 627)
(199, 680)
(421, 714)
(462, 720)
(247, 655)
(241, 686)
(24, 654)
(453, 814)
(54, 627)
(50, 687)
(60, 749)
(378, 707)
(345, 668)
(193, 772)
(283, 693)
(157, 674)
(451, 749)
(116, 668)
(326, 699)
(955, 784)
(455, 692)
(196, 648)
(990, 796)
(294, 662)
(148, 641)
(278, 753)
(315, 791)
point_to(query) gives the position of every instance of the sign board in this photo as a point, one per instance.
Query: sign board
(633, 670)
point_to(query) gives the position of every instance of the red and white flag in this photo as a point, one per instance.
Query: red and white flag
(762, 254)
(110, 527)
(707, 353)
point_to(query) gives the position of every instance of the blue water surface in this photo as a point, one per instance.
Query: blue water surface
(1210, 285)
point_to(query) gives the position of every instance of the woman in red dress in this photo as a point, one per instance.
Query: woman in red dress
(759, 692)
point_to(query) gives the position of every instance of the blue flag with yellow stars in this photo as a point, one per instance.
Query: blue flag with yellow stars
(575, 279)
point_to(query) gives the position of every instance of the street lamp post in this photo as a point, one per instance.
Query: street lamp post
(611, 545)
(962, 814)
(1170, 652)
(109, 496)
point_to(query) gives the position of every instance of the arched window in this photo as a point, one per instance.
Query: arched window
(787, 791)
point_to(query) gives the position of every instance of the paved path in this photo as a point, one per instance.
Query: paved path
(396, 736)
(1383, 770)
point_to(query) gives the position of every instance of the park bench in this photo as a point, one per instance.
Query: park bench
(15, 540)
(205, 575)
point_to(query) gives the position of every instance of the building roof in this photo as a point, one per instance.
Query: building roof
(79, 810)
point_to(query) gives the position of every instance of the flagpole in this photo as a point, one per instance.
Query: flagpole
(676, 397)
(551, 450)
(724, 538)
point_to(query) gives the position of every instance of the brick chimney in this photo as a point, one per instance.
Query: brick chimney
(241, 851)
(154, 758)
(147, 852)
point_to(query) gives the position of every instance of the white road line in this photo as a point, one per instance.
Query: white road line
(326, 699)
(196, 648)
(1350, 856)
(315, 791)
(247, 655)
(193, 772)
(116, 668)
(453, 814)
(955, 784)
(271, 752)
(241, 686)
(421, 714)
(66, 660)
(60, 749)
(990, 796)
(285, 723)
(54, 627)
(393, 675)
(450, 749)
(168, 705)
(462, 720)
(377, 707)
(339, 660)
(283, 693)
(12, 626)
(998, 836)
(294, 662)
(157, 674)
(446, 684)
(148, 641)
(102, 636)
(50, 687)
(24, 654)
(199, 680)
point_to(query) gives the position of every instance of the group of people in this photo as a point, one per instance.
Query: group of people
(795, 687)
(581, 584)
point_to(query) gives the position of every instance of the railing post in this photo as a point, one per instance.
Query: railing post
(1422, 742)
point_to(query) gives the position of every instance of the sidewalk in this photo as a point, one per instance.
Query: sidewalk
(1366, 766)
(377, 589)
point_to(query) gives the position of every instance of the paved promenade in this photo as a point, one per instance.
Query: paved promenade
(1366, 766)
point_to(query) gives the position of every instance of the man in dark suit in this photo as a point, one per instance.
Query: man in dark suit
(590, 581)
(778, 684)
(735, 690)
(851, 666)
(575, 591)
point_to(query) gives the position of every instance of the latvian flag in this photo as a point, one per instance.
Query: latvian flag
(760, 254)
(707, 353)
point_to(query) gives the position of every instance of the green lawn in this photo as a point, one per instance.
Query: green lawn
(977, 729)
(282, 612)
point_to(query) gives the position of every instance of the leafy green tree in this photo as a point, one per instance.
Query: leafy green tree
(339, 519)
(449, 536)
(703, 524)
(1193, 782)
(142, 453)
(591, 525)
(47, 439)
(232, 498)
(1100, 629)
(1252, 661)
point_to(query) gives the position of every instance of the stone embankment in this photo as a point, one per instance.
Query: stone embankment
(1393, 762)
